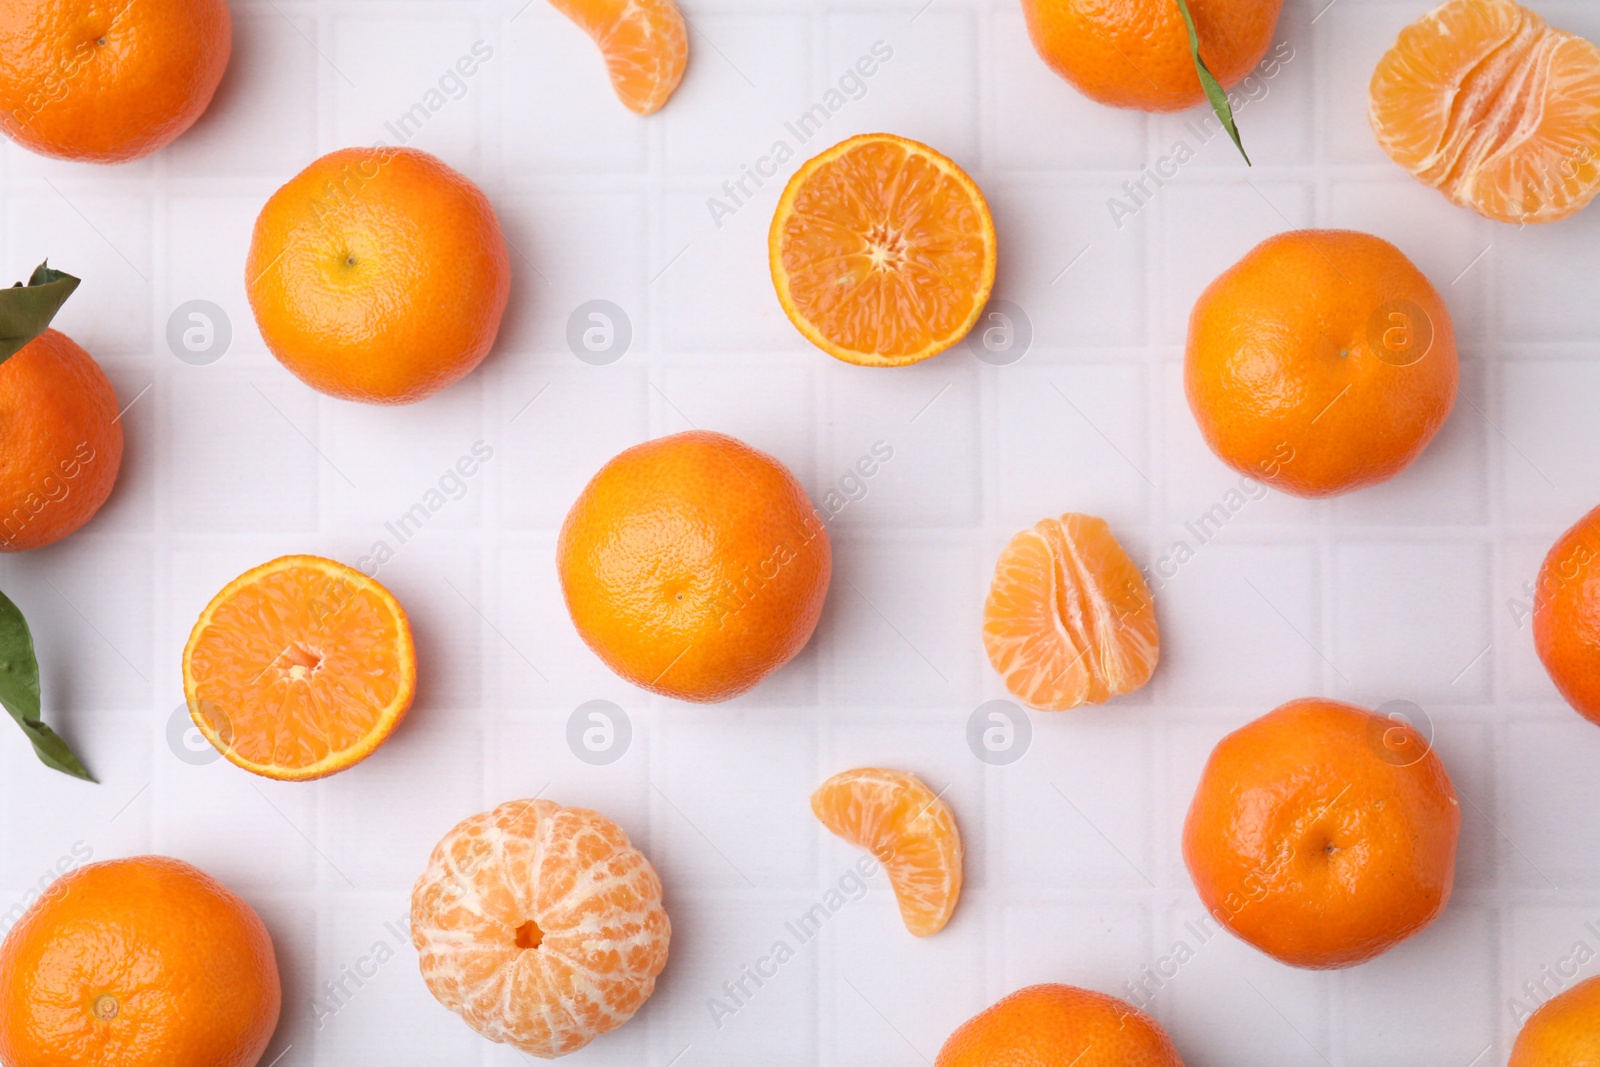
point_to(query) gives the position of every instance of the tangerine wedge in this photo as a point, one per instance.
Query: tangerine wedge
(1484, 101)
(910, 830)
(645, 44)
(300, 668)
(882, 251)
(1069, 619)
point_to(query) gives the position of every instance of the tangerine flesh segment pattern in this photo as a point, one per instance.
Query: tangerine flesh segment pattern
(593, 896)
(299, 665)
(884, 250)
(1070, 620)
(909, 829)
(645, 44)
(1486, 102)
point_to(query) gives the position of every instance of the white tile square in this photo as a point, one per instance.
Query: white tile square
(263, 118)
(1062, 451)
(1409, 622)
(1543, 435)
(917, 425)
(416, 82)
(557, 98)
(752, 68)
(1039, 121)
(1076, 274)
(925, 90)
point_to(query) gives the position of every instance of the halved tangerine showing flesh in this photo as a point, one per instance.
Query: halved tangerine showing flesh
(300, 668)
(910, 830)
(645, 44)
(1484, 101)
(882, 251)
(1069, 619)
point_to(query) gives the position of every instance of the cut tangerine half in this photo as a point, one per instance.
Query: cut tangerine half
(882, 251)
(645, 44)
(1486, 103)
(541, 926)
(910, 830)
(299, 668)
(1069, 619)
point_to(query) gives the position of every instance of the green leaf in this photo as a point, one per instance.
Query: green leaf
(19, 690)
(26, 310)
(1208, 81)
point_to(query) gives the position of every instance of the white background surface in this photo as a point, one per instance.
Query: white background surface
(1074, 872)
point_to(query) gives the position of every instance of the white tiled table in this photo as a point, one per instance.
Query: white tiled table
(1074, 873)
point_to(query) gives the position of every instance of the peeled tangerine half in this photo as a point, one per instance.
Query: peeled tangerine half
(300, 668)
(910, 830)
(882, 251)
(1486, 103)
(541, 926)
(645, 44)
(1069, 619)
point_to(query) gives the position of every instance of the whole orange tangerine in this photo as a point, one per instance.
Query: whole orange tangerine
(1563, 1032)
(694, 565)
(379, 275)
(1059, 1026)
(1566, 615)
(1320, 363)
(1135, 53)
(1323, 834)
(133, 963)
(60, 441)
(105, 82)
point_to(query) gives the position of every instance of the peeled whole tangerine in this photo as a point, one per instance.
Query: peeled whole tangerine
(541, 926)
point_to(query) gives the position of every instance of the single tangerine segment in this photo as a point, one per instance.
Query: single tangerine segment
(645, 44)
(882, 251)
(910, 830)
(540, 925)
(1484, 101)
(1069, 619)
(300, 668)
